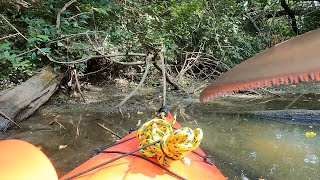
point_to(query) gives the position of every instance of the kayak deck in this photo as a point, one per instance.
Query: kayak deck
(132, 167)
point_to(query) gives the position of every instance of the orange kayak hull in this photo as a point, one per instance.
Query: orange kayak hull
(21, 160)
(131, 167)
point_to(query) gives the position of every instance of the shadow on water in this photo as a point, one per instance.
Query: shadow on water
(242, 147)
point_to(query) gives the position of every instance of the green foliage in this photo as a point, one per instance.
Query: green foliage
(230, 31)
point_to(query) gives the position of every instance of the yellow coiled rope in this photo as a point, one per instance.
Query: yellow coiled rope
(173, 145)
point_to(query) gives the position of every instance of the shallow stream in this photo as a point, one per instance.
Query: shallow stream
(242, 147)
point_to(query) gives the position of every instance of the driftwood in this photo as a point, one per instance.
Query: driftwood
(290, 115)
(20, 102)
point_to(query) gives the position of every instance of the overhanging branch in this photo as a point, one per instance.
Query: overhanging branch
(291, 15)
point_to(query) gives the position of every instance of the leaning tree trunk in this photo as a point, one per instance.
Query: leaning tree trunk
(20, 102)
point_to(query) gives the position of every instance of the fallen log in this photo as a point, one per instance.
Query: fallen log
(18, 103)
(291, 116)
(300, 116)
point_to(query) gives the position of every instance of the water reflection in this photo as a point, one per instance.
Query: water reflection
(251, 148)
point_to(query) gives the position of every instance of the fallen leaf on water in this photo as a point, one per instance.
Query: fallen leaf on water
(310, 134)
(62, 146)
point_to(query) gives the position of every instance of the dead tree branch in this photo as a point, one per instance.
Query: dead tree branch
(9, 36)
(148, 59)
(5, 116)
(291, 16)
(106, 56)
(168, 77)
(78, 84)
(62, 10)
(200, 65)
(163, 78)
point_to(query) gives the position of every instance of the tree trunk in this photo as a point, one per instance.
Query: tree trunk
(23, 100)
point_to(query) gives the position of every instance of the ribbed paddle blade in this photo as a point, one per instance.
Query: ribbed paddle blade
(294, 60)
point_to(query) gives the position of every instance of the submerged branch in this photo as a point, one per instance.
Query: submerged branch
(5, 116)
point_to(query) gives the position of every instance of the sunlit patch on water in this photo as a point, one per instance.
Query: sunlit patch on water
(278, 135)
(253, 155)
(312, 159)
(243, 176)
(274, 168)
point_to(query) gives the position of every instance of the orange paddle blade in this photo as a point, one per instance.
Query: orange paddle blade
(295, 60)
(21, 160)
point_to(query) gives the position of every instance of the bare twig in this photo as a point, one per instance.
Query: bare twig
(61, 11)
(294, 101)
(109, 130)
(56, 120)
(77, 126)
(73, 17)
(150, 56)
(9, 36)
(163, 79)
(90, 73)
(94, 46)
(5, 116)
(24, 4)
(12, 26)
(26, 52)
(64, 37)
(78, 84)
(200, 64)
(168, 77)
(106, 56)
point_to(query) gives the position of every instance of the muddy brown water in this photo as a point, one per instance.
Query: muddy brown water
(242, 147)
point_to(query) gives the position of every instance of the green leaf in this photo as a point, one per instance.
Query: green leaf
(33, 55)
(5, 46)
(6, 54)
(60, 44)
(44, 50)
(44, 37)
(101, 11)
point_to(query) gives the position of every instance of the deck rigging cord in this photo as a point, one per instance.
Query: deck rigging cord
(149, 160)
(173, 145)
(109, 161)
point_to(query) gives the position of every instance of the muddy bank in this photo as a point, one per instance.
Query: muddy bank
(105, 98)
